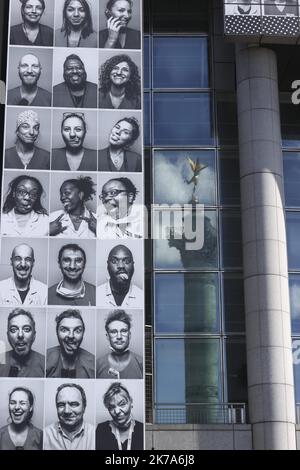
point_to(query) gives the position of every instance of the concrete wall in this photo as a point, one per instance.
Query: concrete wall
(199, 437)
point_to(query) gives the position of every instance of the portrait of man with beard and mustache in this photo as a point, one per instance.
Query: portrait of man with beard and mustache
(69, 360)
(22, 360)
(119, 290)
(72, 289)
(76, 91)
(22, 288)
(29, 93)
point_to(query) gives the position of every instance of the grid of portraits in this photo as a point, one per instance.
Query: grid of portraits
(72, 228)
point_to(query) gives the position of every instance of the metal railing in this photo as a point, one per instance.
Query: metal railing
(200, 413)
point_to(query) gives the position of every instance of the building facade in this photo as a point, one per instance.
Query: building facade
(222, 322)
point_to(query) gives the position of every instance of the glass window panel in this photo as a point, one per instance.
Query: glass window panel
(188, 371)
(229, 178)
(232, 256)
(186, 303)
(147, 120)
(182, 119)
(227, 119)
(296, 362)
(236, 368)
(290, 124)
(293, 237)
(233, 303)
(180, 62)
(291, 165)
(294, 283)
(147, 62)
(175, 15)
(191, 172)
(171, 253)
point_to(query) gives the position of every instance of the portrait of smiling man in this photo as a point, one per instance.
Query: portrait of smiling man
(71, 431)
(29, 93)
(21, 360)
(69, 360)
(72, 289)
(75, 91)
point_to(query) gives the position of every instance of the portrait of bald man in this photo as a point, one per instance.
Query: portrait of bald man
(29, 71)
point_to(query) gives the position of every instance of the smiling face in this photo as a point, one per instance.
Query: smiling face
(25, 196)
(118, 335)
(22, 261)
(32, 12)
(75, 14)
(121, 134)
(28, 132)
(73, 132)
(20, 409)
(74, 74)
(116, 199)
(119, 407)
(123, 11)
(120, 74)
(70, 196)
(120, 267)
(70, 408)
(70, 335)
(29, 70)
(21, 335)
(72, 265)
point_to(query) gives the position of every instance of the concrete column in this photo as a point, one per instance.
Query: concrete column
(269, 352)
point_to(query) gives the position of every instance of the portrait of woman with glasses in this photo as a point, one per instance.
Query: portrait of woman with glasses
(77, 25)
(23, 214)
(20, 433)
(31, 32)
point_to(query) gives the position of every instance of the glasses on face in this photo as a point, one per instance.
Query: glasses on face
(31, 194)
(112, 194)
(123, 332)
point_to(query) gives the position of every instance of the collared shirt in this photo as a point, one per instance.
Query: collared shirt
(37, 225)
(134, 298)
(108, 228)
(34, 366)
(9, 295)
(56, 439)
(85, 363)
(70, 232)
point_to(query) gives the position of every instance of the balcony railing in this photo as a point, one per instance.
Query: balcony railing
(200, 413)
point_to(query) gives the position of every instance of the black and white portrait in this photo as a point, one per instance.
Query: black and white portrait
(75, 78)
(23, 272)
(280, 8)
(120, 80)
(21, 415)
(28, 139)
(23, 331)
(69, 415)
(243, 7)
(74, 141)
(120, 344)
(25, 205)
(120, 141)
(121, 211)
(71, 343)
(32, 23)
(72, 274)
(73, 206)
(120, 24)
(30, 77)
(76, 23)
(120, 274)
(120, 415)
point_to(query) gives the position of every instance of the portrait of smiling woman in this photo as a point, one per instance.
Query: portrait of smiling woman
(120, 84)
(31, 32)
(23, 214)
(77, 25)
(20, 433)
